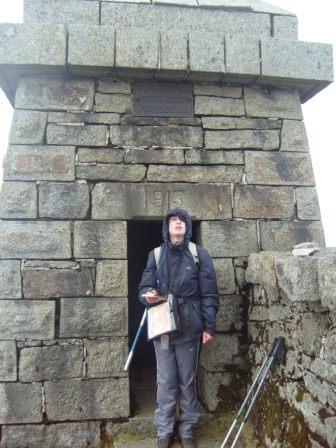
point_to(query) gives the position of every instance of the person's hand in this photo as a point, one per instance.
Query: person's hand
(155, 297)
(206, 337)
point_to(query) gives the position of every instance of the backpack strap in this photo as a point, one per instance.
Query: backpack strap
(193, 250)
(157, 252)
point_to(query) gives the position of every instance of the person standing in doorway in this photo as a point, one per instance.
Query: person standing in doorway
(191, 278)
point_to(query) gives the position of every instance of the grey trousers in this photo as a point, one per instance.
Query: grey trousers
(176, 385)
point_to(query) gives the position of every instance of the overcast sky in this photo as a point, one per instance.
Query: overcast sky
(316, 24)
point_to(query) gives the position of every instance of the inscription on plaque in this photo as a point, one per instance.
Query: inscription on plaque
(162, 99)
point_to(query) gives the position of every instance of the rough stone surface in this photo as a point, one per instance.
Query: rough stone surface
(294, 136)
(230, 238)
(326, 281)
(279, 168)
(283, 235)
(18, 200)
(229, 316)
(50, 363)
(39, 163)
(90, 317)
(225, 276)
(169, 156)
(28, 127)
(137, 48)
(8, 362)
(100, 239)
(202, 174)
(27, 319)
(10, 279)
(116, 102)
(111, 201)
(285, 27)
(179, 136)
(242, 56)
(275, 104)
(209, 105)
(210, 89)
(66, 435)
(111, 278)
(105, 357)
(54, 94)
(100, 155)
(20, 403)
(233, 123)
(63, 200)
(199, 157)
(110, 171)
(43, 282)
(88, 135)
(88, 399)
(228, 346)
(206, 52)
(307, 203)
(114, 85)
(253, 202)
(83, 117)
(178, 59)
(46, 239)
(256, 139)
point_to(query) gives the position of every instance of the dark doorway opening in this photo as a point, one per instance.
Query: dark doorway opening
(142, 237)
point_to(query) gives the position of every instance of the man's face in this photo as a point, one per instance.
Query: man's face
(177, 227)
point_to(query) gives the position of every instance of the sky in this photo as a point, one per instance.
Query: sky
(316, 24)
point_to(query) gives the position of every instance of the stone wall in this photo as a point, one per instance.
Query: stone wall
(79, 166)
(294, 297)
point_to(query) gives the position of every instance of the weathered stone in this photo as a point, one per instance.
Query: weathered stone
(114, 85)
(229, 314)
(326, 268)
(209, 105)
(230, 238)
(105, 357)
(39, 163)
(28, 127)
(324, 369)
(179, 136)
(50, 363)
(277, 103)
(159, 121)
(137, 47)
(206, 52)
(240, 123)
(43, 282)
(307, 203)
(285, 27)
(259, 313)
(328, 351)
(294, 136)
(297, 278)
(200, 157)
(71, 11)
(202, 174)
(225, 276)
(256, 139)
(38, 239)
(197, 19)
(42, 51)
(323, 391)
(87, 135)
(88, 399)
(93, 47)
(111, 278)
(54, 94)
(283, 235)
(18, 200)
(100, 239)
(278, 168)
(117, 102)
(101, 155)
(10, 279)
(330, 425)
(211, 89)
(27, 319)
(242, 56)
(63, 200)
(296, 60)
(112, 201)
(170, 156)
(65, 435)
(83, 117)
(227, 346)
(261, 269)
(92, 317)
(20, 403)
(255, 202)
(8, 362)
(176, 60)
(109, 171)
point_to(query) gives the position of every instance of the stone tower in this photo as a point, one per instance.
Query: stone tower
(122, 111)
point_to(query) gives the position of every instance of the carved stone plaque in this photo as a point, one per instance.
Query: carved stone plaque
(162, 99)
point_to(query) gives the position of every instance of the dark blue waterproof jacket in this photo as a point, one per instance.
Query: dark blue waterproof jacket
(178, 273)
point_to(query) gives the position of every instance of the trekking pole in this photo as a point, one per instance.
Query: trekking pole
(279, 344)
(268, 355)
(137, 336)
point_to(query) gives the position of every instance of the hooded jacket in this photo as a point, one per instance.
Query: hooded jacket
(178, 273)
